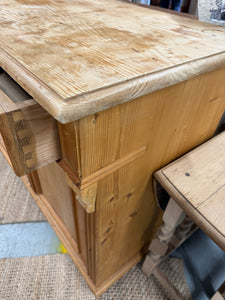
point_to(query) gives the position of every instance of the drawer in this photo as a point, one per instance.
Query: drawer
(29, 132)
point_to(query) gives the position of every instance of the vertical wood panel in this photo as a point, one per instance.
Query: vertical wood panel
(168, 123)
(59, 195)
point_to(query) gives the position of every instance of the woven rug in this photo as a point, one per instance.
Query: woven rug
(55, 277)
(16, 203)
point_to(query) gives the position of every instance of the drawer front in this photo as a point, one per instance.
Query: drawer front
(29, 132)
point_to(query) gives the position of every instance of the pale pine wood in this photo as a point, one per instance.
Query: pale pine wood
(49, 177)
(113, 238)
(86, 188)
(168, 123)
(30, 134)
(197, 182)
(88, 56)
(77, 254)
(80, 63)
(106, 137)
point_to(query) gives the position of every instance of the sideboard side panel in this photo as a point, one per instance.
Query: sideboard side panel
(160, 127)
(168, 123)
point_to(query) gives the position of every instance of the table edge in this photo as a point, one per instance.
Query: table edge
(66, 110)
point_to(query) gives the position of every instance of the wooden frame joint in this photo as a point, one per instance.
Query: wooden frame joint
(86, 196)
(86, 188)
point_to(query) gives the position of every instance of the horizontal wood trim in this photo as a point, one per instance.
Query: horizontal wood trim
(86, 104)
(81, 184)
(86, 188)
(29, 82)
(105, 171)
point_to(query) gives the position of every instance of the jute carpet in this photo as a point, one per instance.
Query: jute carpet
(16, 203)
(55, 276)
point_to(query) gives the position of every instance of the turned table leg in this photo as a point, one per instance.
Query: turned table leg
(172, 217)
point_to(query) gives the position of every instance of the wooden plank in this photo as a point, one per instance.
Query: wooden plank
(90, 58)
(213, 210)
(197, 182)
(82, 220)
(152, 120)
(54, 188)
(202, 166)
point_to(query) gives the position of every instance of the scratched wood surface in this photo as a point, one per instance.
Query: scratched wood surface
(80, 57)
(199, 181)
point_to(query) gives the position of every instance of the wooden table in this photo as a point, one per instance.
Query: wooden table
(113, 92)
(196, 183)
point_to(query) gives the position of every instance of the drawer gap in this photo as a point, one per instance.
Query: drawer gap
(12, 89)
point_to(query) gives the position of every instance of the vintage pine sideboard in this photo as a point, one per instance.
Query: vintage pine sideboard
(94, 97)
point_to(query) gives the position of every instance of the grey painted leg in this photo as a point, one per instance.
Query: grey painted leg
(159, 247)
(172, 217)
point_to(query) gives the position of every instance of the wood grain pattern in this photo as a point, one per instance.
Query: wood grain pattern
(62, 223)
(79, 60)
(49, 177)
(213, 209)
(29, 132)
(197, 182)
(30, 136)
(202, 166)
(109, 136)
(168, 123)
(86, 187)
(89, 56)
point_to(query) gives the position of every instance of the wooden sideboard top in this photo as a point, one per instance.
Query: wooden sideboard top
(80, 57)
